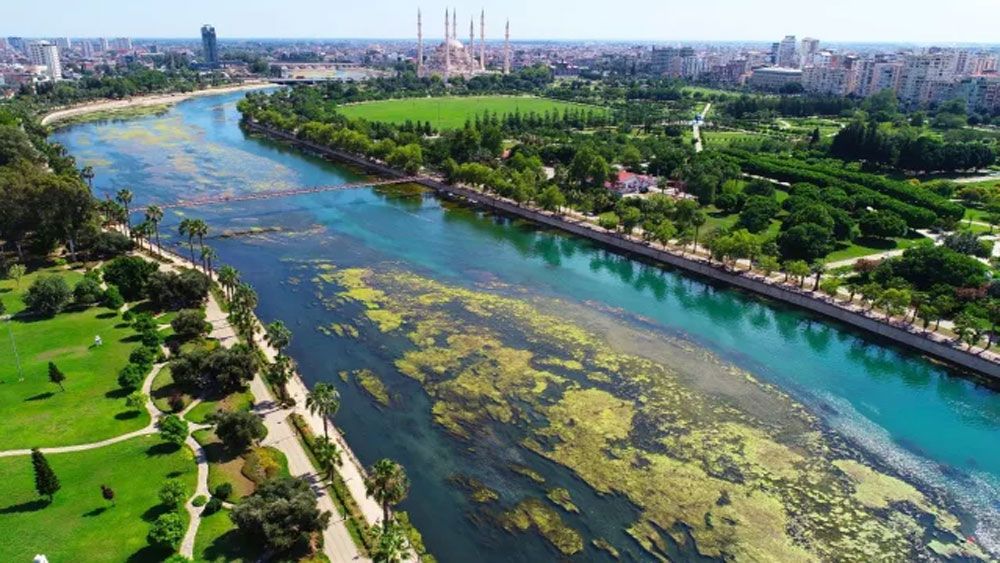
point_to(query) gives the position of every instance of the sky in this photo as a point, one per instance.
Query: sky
(889, 21)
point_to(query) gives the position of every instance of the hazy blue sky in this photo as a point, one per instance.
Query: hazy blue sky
(830, 20)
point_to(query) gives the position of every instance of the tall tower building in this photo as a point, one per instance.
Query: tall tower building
(506, 49)
(447, 48)
(45, 53)
(103, 41)
(786, 53)
(482, 40)
(208, 45)
(420, 43)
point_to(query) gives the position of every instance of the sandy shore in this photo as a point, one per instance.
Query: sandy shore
(152, 100)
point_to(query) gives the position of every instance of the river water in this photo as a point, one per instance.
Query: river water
(900, 412)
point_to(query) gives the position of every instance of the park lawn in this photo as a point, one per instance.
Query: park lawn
(865, 246)
(36, 412)
(717, 138)
(218, 540)
(234, 401)
(452, 112)
(11, 292)
(163, 388)
(225, 467)
(79, 525)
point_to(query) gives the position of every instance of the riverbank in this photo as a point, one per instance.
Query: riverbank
(142, 101)
(927, 342)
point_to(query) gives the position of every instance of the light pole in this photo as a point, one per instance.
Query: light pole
(17, 360)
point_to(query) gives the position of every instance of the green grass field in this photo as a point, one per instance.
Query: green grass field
(37, 413)
(79, 525)
(451, 112)
(218, 540)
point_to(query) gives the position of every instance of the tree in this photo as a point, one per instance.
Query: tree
(817, 267)
(87, 292)
(113, 298)
(108, 494)
(388, 484)
(229, 277)
(130, 275)
(124, 197)
(551, 198)
(136, 401)
(608, 221)
(16, 272)
(173, 494)
(48, 295)
(190, 323)
(389, 543)
(207, 255)
(769, 264)
(278, 336)
(239, 429)
(797, 269)
(46, 482)
(199, 228)
(630, 218)
(323, 400)
(154, 214)
(806, 241)
(831, 285)
(327, 455)
(697, 220)
(871, 293)
(186, 227)
(280, 373)
(167, 531)
(173, 429)
(56, 376)
(282, 513)
(757, 213)
(882, 224)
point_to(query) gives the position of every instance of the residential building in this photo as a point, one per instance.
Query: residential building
(666, 61)
(208, 46)
(920, 72)
(774, 78)
(630, 183)
(86, 48)
(43, 53)
(103, 42)
(824, 80)
(809, 47)
(64, 43)
(874, 76)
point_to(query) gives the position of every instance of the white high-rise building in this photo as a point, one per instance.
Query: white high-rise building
(64, 43)
(786, 53)
(45, 53)
(810, 46)
(920, 72)
(86, 48)
(104, 44)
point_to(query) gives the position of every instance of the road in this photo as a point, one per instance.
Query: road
(696, 127)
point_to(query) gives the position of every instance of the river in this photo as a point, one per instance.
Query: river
(882, 405)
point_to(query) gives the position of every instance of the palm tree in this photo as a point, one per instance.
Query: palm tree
(280, 373)
(390, 544)
(200, 229)
(388, 484)
(817, 267)
(154, 214)
(88, 174)
(228, 278)
(207, 255)
(185, 228)
(697, 220)
(143, 231)
(328, 456)
(277, 335)
(323, 400)
(124, 197)
(241, 308)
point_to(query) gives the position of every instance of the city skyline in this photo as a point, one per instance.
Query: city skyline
(887, 21)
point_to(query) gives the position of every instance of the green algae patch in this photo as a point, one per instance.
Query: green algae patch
(372, 385)
(527, 472)
(702, 450)
(604, 545)
(476, 490)
(534, 513)
(561, 497)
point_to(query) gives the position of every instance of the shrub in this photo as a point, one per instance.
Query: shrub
(199, 500)
(113, 299)
(144, 356)
(167, 531)
(132, 375)
(212, 506)
(48, 295)
(173, 493)
(151, 338)
(173, 429)
(87, 292)
(224, 490)
(190, 323)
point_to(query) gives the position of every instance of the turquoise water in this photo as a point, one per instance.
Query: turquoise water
(916, 417)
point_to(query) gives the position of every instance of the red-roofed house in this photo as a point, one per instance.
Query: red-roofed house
(630, 183)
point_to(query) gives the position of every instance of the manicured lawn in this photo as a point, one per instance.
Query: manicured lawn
(218, 540)
(863, 247)
(452, 112)
(225, 467)
(164, 387)
(235, 401)
(11, 291)
(79, 525)
(37, 413)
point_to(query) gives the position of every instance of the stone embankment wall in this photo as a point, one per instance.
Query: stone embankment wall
(750, 282)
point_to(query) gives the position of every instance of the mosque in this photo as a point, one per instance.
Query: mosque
(452, 57)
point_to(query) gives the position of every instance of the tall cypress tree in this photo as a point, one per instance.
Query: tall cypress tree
(56, 376)
(46, 482)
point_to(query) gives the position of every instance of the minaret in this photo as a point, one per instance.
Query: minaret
(472, 45)
(506, 49)
(482, 40)
(420, 44)
(447, 48)
(454, 24)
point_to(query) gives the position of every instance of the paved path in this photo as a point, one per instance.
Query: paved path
(201, 489)
(696, 127)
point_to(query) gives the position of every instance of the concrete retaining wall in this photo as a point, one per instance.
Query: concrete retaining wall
(806, 300)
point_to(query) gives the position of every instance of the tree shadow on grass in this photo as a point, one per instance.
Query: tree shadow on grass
(95, 512)
(119, 393)
(127, 415)
(149, 554)
(30, 506)
(216, 452)
(131, 339)
(41, 396)
(154, 512)
(231, 546)
(163, 448)
(108, 315)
